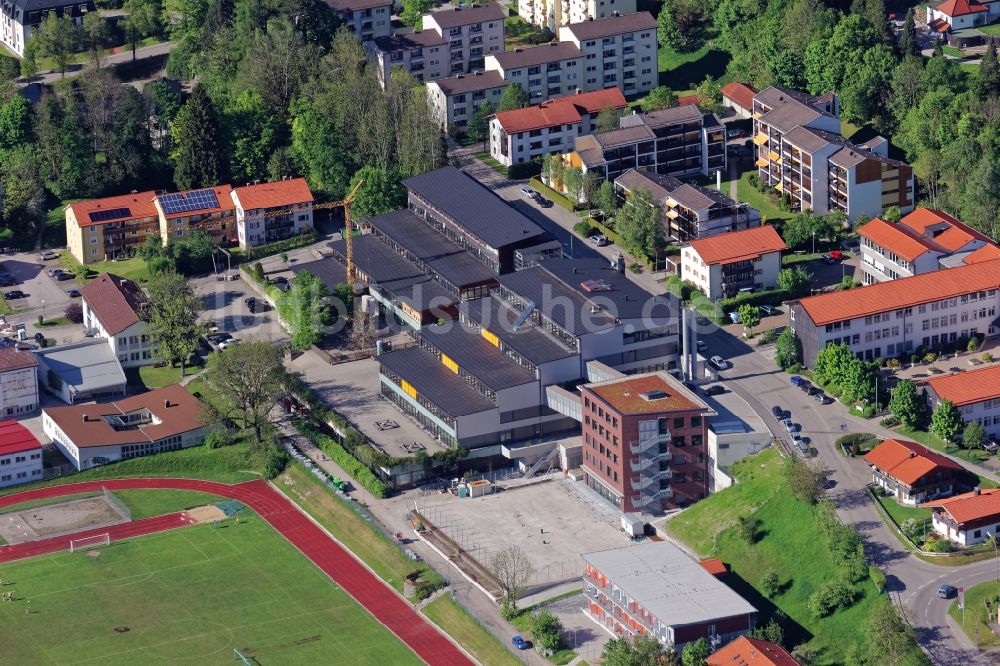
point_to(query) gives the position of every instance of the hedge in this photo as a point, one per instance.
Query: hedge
(552, 194)
(278, 247)
(772, 297)
(342, 457)
(611, 234)
(524, 170)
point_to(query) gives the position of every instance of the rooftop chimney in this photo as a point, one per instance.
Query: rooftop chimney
(975, 491)
(166, 403)
(84, 418)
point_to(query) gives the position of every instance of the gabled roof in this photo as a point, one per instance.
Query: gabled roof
(15, 438)
(612, 25)
(946, 231)
(11, 358)
(985, 253)
(738, 245)
(536, 55)
(459, 16)
(898, 239)
(902, 293)
(745, 651)
(966, 388)
(561, 110)
(908, 461)
(464, 83)
(960, 7)
(968, 507)
(273, 195)
(114, 300)
(740, 93)
(114, 209)
(201, 201)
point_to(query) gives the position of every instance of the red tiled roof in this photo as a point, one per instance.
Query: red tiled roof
(985, 253)
(939, 25)
(902, 293)
(960, 7)
(968, 507)
(561, 110)
(740, 93)
(12, 359)
(738, 245)
(953, 238)
(714, 566)
(744, 651)
(625, 395)
(132, 207)
(898, 239)
(907, 461)
(114, 300)
(222, 195)
(15, 438)
(922, 218)
(274, 195)
(965, 388)
(183, 415)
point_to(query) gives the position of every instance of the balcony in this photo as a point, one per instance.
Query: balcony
(638, 448)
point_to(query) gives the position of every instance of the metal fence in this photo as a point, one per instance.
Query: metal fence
(117, 504)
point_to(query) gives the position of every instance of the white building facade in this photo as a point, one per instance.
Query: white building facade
(367, 19)
(552, 14)
(617, 51)
(454, 100)
(269, 212)
(546, 71)
(722, 266)
(18, 383)
(472, 32)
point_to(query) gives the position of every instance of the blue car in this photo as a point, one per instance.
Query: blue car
(796, 380)
(520, 643)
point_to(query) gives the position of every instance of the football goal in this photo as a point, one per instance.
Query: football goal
(93, 541)
(239, 656)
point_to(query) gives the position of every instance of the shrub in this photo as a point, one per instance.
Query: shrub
(935, 544)
(889, 422)
(988, 357)
(347, 462)
(830, 596)
(912, 528)
(276, 463)
(793, 368)
(524, 170)
(218, 438)
(747, 527)
(74, 312)
(281, 246)
(877, 577)
(973, 344)
(894, 363)
(930, 357)
(546, 631)
(770, 585)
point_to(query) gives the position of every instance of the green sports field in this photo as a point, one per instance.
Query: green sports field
(187, 596)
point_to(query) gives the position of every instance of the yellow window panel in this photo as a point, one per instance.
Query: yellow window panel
(408, 388)
(449, 363)
(492, 339)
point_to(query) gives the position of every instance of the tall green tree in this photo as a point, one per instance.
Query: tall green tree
(660, 97)
(787, 349)
(749, 316)
(142, 20)
(796, 281)
(974, 436)
(908, 44)
(478, 128)
(946, 421)
(607, 119)
(683, 25)
(305, 309)
(641, 650)
(57, 38)
(709, 95)
(513, 97)
(96, 34)
(988, 79)
(980, 196)
(16, 123)
(197, 153)
(22, 195)
(606, 200)
(413, 11)
(639, 223)
(802, 19)
(888, 637)
(695, 653)
(172, 317)
(382, 192)
(906, 405)
(255, 133)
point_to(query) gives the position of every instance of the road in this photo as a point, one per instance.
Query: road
(124, 56)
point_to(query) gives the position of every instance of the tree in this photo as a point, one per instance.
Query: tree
(277, 63)
(22, 194)
(96, 34)
(770, 584)
(908, 44)
(800, 229)
(413, 11)
(683, 24)
(16, 123)
(382, 192)
(888, 637)
(143, 20)
(512, 569)
(513, 97)
(772, 631)
(749, 316)
(830, 596)
(974, 436)
(832, 361)
(748, 527)
(607, 120)
(250, 379)
(74, 312)
(478, 128)
(546, 631)
(946, 421)
(857, 381)
(198, 155)
(695, 653)
(804, 481)
(709, 95)
(787, 349)
(905, 404)
(988, 80)
(305, 309)
(660, 97)
(172, 317)
(606, 200)
(57, 38)
(639, 224)
(642, 650)
(572, 181)
(29, 63)
(795, 282)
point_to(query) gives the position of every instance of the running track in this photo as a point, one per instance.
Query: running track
(368, 590)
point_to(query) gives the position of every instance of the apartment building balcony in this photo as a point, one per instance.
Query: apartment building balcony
(476, 28)
(456, 57)
(628, 50)
(640, 447)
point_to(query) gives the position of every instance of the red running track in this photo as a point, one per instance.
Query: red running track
(367, 589)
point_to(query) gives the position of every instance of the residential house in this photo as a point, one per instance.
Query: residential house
(269, 212)
(20, 455)
(619, 50)
(81, 372)
(952, 16)
(544, 72)
(746, 651)
(689, 211)
(209, 210)
(654, 589)
(19, 18)
(102, 229)
(892, 319)
(454, 100)
(975, 393)
(724, 265)
(738, 97)
(912, 473)
(472, 31)
(367, 19)
(552, 14)
(165, 419)
(967, 519)
(422, 53)
(112, 311)
(521, 135)
(18, 382)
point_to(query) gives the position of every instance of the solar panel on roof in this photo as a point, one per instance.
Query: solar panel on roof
(188, 201)
(110, 214)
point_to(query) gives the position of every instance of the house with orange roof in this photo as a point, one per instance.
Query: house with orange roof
(746, 651)
(268, 212)
(893, 319)
(912, 473)
(112, 227)
(967, 519)
(738, 97)
(953, 15)
(722, 266)
(209, 209)
(521, 135)
(976, 395)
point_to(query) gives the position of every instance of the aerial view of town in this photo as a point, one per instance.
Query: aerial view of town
(468, 332)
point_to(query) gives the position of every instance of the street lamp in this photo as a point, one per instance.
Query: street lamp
(996, 552)
(814, 242)
(43, 309)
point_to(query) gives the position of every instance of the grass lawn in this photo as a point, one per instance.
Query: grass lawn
(141, 503)
(991, 29)
(791, 545)
(55, 226)
(969, 68)
(748, 194)
(133, 269)
(901, 513)
(952, 51)
(683, 72)
(932, 441)
(465, 629)
(486, 158)
(58, 321)
(192, 595)
(153, 377)
(976, 615)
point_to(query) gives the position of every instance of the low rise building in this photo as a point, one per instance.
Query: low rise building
(521, 135)
(269, 212)
(109, 228)
(738, 97)
(734, 433)
(722, 266)
(20, 18)
(81, 372)
(422, 53)
(544, 72)
(472, 32)
(454, 100)
(654, 589)
(552, 14)
(746, 651)
(209, 210)
(892, 319)
(20, 455)
(689, 211)
(618, 50)
(954, 15)
(967, 519)
(18, 382)
(913, 473)
(165, 419)
(112, 311)
(975, 393)
(367, 19)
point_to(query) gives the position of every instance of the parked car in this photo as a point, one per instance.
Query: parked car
(947, 591)
(778, 412)
(767, 310)
(48, 255)
(543, 202)
(40, 337)
(600, 240)
(281, 283)
(701, 346)
(226, 344)
(827, 259)
(519, 643)
(796, 380)
(63, 276)
(791, 427)
(823, 398)
(13, 295)
(735, 133)
(73, 293)
(734, 317)
(719, 362)
(255, 306)
(216, 338)
(528, 192)
(714, 389)
(52, 272)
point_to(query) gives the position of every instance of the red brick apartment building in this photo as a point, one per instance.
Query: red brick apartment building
(644, 441)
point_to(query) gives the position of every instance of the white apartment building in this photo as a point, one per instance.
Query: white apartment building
(892, 319)
(521, 135)
(422, 53)
(112, 306)
(723, 265)
(976, 394)
(472, 33)
(453, 100)
(552, 14)
(545, 71)
(269, 212)
(20, 454)
(18, 18)
(367, 19)
(617, 51)
(18, 382)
